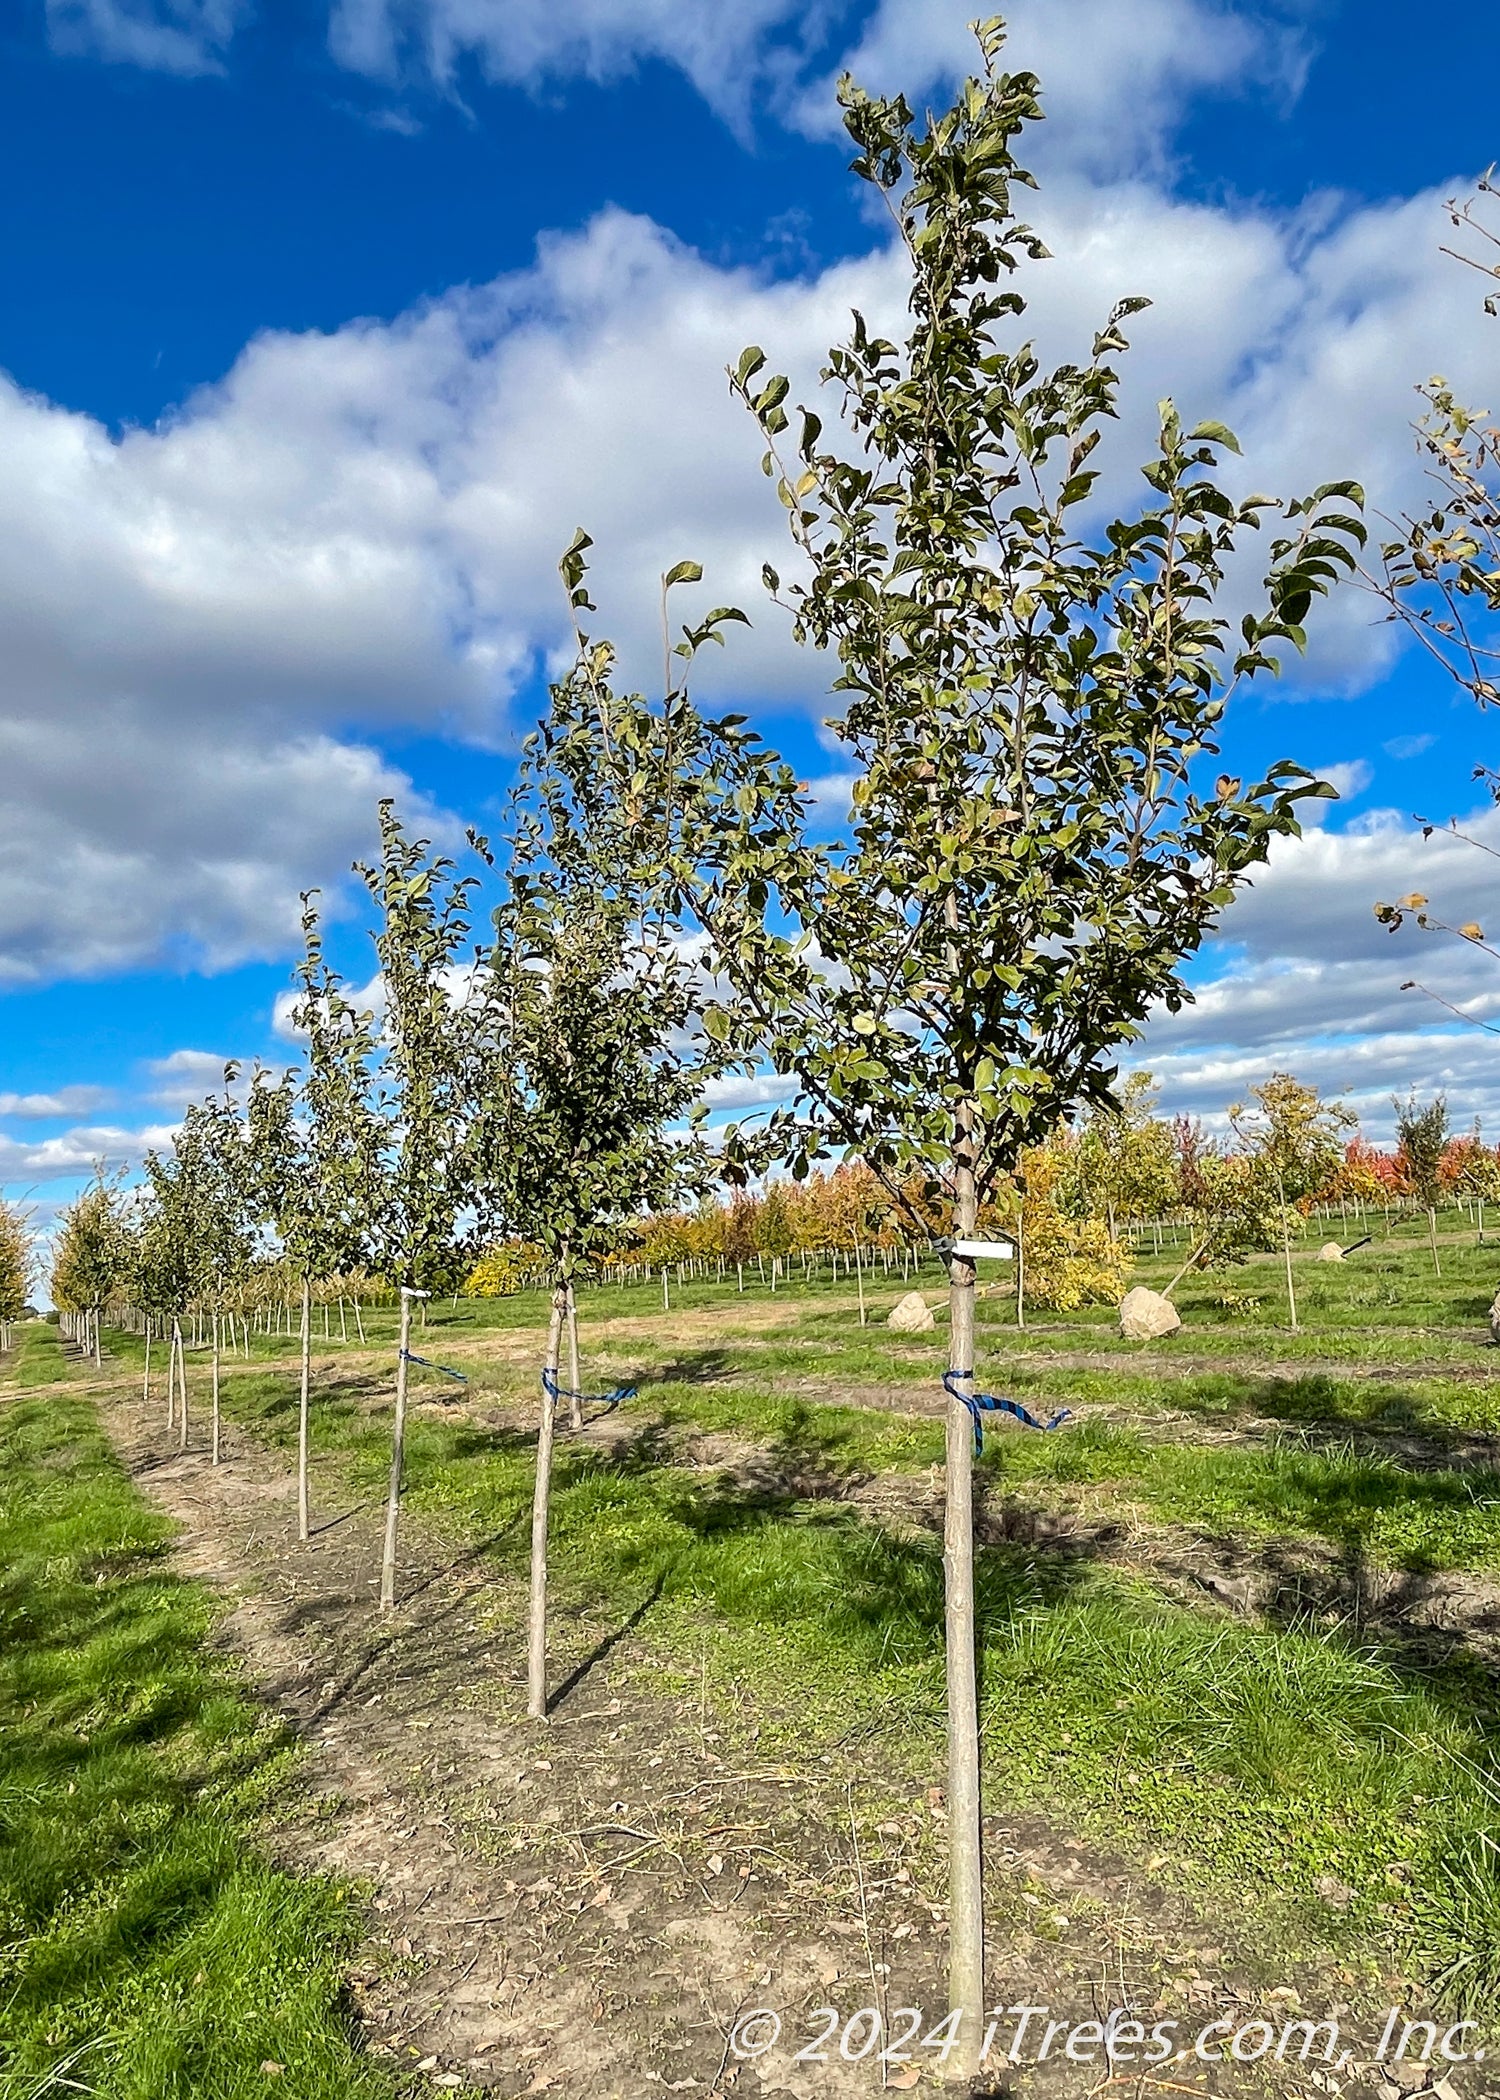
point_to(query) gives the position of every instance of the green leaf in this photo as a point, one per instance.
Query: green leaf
(1215, 434)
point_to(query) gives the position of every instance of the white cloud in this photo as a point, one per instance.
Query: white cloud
(186, 1075)
(65, 1101)
(165, 36)
(74, 1153)
(1112, 77)
(363, 527)
(747, 1090)
(1348, 777)
(720, 48)
(1309, 981)
(1408, 746)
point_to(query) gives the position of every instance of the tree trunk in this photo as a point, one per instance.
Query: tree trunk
(536, 1639)
(398, 1449)
(215, 1458)
(146, 1374)
(1432, 1237)
(1021, 1263)
(859, 1272)
(302, 1410)
(575, 1404)
(182, 1419)
(965, 1859)
(1286, 1246)
(98, 1346)
(359, 1324)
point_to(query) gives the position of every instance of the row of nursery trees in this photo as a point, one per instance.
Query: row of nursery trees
(1078, 1203)
(1029, 699)
(17, 1261)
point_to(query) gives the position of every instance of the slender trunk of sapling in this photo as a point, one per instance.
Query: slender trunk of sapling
(359, 1324)
(182, 1411)
(398, 1451)
(1432, 1236)
(965, 1858)
(536, 1642)
(1021, 1263)
(215, 1459)
(98, 1346)
(1286, 1245)
(302, 1410)
(146, 1373)
(575, 1405)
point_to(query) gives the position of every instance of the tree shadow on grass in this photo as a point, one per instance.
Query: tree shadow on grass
(692, 1367)
(1332, 1410)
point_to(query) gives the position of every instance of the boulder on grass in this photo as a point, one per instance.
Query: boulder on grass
(911, 1314)
(1146, 1315)
(1331, 1252)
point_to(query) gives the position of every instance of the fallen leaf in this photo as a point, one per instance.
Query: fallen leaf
(903, 2081)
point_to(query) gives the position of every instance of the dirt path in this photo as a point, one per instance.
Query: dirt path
(585, 1909)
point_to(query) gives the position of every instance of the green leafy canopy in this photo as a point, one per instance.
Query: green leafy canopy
(1030, 700)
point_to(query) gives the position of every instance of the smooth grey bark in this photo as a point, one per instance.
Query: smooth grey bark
(303, 1399)
(1286, 1248)
(965, 1857)
(398, 1452)
(536, 1637)
(215, 1458)
(575, 1405)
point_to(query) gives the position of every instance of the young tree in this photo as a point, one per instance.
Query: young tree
(1441, 576)
(89, 1264)
(218, 1195)
(417, 1176)
(16, 1259)
(588, 1055)
(1294, 1145)
(314, 1144)
(1031, 696)
(1421, 1140)
(165, 1268)
(1125, 1161)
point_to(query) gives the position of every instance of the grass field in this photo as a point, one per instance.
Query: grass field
(1238, 1616)
(134, 1904)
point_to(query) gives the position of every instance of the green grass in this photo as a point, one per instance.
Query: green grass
(147, 1948)
(37, 1358)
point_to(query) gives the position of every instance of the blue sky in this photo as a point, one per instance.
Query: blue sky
(327, 320)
